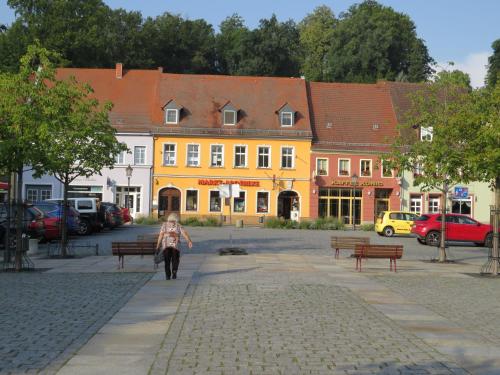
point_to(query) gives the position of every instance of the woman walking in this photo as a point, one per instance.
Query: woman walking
(168, 242)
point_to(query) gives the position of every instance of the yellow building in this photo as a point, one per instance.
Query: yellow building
(252, 133)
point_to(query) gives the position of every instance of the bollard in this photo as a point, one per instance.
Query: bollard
(239, 223)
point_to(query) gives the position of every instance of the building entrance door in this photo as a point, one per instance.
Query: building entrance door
(169, 202)
(288, 201)
(381, 201)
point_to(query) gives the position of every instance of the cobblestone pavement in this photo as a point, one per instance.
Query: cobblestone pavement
(45, 318)
(470, 302)
(283, 320)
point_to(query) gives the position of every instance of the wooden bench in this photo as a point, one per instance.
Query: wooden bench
(391, 252)
(132, 248)
(347, 243)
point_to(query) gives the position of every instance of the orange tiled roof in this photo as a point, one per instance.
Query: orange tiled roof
(351, 116)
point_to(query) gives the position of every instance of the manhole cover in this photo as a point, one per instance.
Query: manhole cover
(232, 251)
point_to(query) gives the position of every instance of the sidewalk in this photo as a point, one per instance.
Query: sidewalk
(269, 313)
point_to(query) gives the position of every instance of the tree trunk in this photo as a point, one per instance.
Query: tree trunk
(496, 241)
(64, 227)
(442, 244)
(19, 220)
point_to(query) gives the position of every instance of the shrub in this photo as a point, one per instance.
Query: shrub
(192, 222)
(146, 220)
(212, 222)
(305, 224)
(273, 223)
(368, 227)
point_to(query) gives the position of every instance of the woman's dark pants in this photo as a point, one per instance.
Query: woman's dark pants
(172, 256)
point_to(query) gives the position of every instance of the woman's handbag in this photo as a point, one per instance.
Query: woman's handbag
(159, 256)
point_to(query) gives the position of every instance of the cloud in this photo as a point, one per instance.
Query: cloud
(475, 64)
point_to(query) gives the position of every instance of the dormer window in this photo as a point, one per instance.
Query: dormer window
(172, 112)
(229, 117)
(426, 133)
(229, 114)
(172, 116)
(286, 115)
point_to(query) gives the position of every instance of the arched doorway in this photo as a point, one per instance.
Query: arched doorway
(169, 202)
(288, 201)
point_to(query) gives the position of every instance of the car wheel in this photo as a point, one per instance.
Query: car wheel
(433, 238)
(388, 231)
(421, 241)
(488, 241)
(84, 228)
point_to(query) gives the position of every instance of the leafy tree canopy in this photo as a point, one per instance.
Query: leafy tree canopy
(494, 65)
(456, 77)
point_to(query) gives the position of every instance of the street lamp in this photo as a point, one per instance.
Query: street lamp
(354, 181)
(128, 173)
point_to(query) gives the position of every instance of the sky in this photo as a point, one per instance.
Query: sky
(458, 31)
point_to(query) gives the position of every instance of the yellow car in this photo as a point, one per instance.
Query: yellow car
(390, 223)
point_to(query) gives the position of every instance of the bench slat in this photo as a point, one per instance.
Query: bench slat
(391, 252)
(347, 243)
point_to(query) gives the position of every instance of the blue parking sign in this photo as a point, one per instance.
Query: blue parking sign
(461, 192)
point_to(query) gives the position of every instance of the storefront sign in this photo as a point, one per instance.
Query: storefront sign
(364, 183)
(228, 182)
(461, 192)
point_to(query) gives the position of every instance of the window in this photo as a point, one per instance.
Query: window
(461, 206)
(434, 203)
(229, 117)
(426, 133)
(172, 116)
(344, 167)
(119, 158)
(215, 201)
(286, 118)
(191, 200)
(169, 154)
(263, 202)
(239, 202)
(139, 155)
(216, 155)
(84, 205)
(322, 167)
(418, 169)
(193, 155)
(416, 204)
(240, 156)
(366, 168)
(386, 171)
(263, 154)
(286, 157)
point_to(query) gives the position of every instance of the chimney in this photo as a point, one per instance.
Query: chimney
(119, 70)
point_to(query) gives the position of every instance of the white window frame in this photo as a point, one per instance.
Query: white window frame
(145, 149)
(269, 157)
(198, 159)
(235, 113)
(222, 154)
(348, 170)
(120, 158)
(175, 154)
(176, 116)
(221, 201)
(431, 200)
(361, 170)
(292, 156)
(246, 157)
(246, 204)
(268, 202)
(382, 170)
(417, 199)
(197, 200)
(282, 117)
(426, 133)
(327, 167)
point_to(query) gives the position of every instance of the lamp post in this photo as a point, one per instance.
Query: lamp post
(354, 181)
(128, 173)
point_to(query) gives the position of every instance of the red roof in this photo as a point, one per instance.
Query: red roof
(351, 116)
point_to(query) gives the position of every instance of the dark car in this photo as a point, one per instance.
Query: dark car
(461, 228)
(54, 211)
(111, 215)
(32, 223)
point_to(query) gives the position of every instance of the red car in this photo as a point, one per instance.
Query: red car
(127, 218)
(427, 229)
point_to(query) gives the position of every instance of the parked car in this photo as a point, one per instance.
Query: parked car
(111, 215)
(89, 213)
(390, 223)
(127, 218)
(54, 210)
(32, 225)
(427, 229)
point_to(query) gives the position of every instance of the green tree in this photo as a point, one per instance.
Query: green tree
(438, 110)
(372, 42)
(22, 97)
(231, 43)
(494, 65)
(456, 77)
(316, 37)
